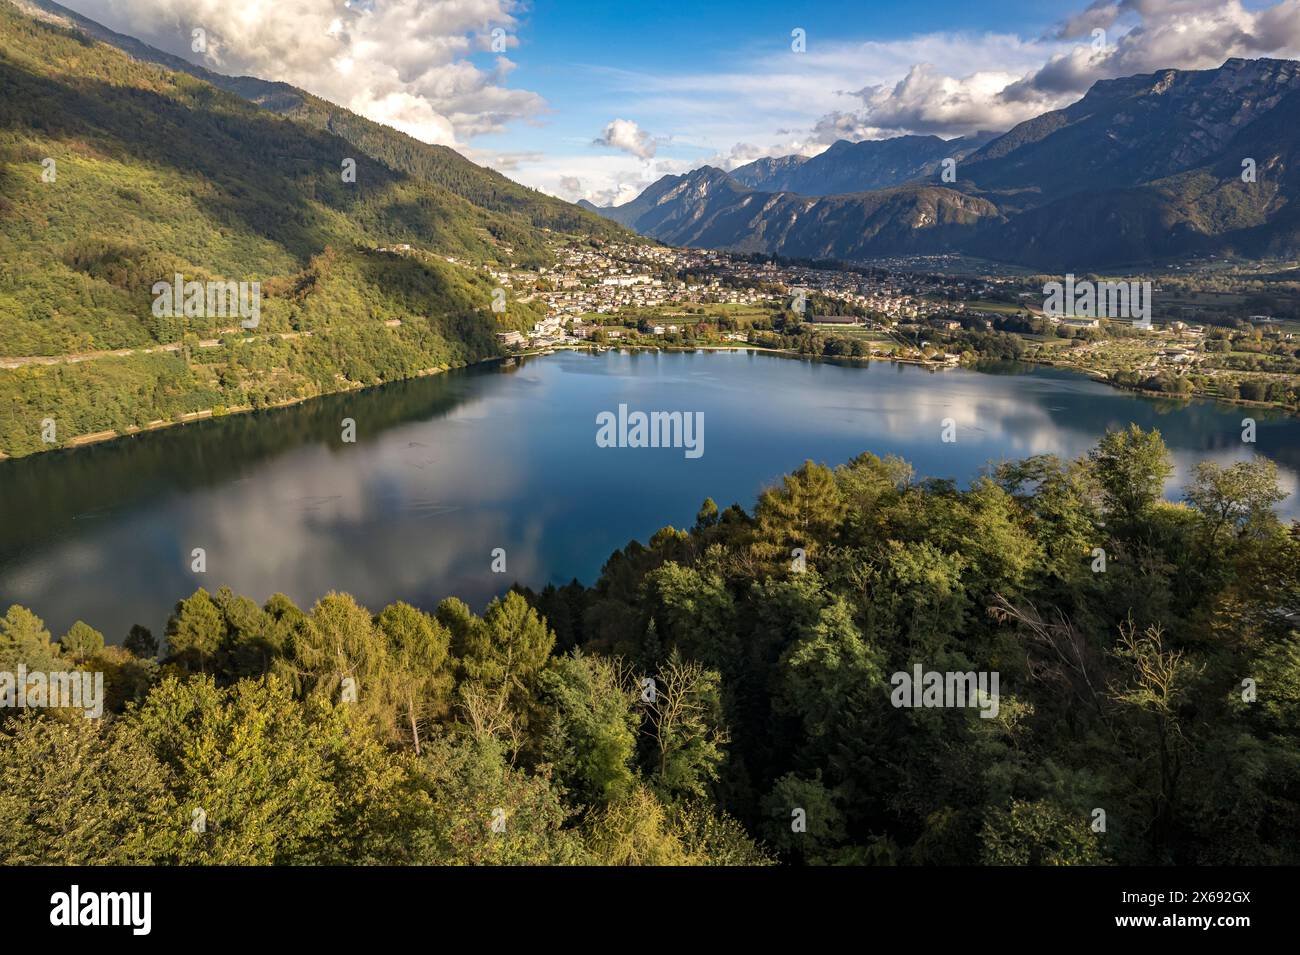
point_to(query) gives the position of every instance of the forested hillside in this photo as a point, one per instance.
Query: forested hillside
(723, 695)
(116, 174)
(439, 165)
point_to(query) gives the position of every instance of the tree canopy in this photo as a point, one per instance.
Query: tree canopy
(715, 698)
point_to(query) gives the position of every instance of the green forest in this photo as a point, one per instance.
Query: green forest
(308, 343)
(117, 173)
(722, 694)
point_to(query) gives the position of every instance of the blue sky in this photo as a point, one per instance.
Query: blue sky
(565, 50)
(596, 65)
(597, 101)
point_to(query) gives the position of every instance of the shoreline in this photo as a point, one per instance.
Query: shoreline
(99, 437)
(849, 360)
(1148, 393)
(207, 414)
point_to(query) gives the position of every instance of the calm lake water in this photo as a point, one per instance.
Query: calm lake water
(445, 469)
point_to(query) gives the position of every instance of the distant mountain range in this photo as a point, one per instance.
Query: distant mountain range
(709, 209)
(1140, 170)
(858, 167)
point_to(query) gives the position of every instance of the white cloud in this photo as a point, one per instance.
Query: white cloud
(770, 105)
(1138, 36)
(1100, 14)
(927, 101)
(406, 63)
(626, 135)
(609, 179)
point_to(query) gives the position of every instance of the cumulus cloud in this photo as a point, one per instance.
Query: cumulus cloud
(618, 194)
(607, 179)
(1136, 36)
(1096, 16)
(626, 135)
(928, 101)
(739, 155)
(406, 63)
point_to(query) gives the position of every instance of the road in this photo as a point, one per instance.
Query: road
(74, 357)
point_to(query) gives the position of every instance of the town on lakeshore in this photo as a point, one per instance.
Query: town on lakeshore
(1231, 335)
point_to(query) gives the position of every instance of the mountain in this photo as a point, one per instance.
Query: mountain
(1141, 170)
(117, 173)
(858, 167)
(707, 208)
(771, 172)
(673, 198)
(1150, 168)
(1136, 130)
(439, 165)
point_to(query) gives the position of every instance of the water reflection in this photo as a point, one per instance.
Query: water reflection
(447, 468)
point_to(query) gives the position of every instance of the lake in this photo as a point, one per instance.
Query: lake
(446, 469)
